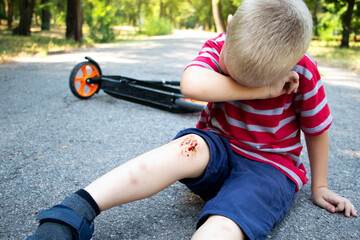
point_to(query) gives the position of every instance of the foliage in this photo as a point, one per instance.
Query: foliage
(236, 3)
(157, 27)
(332, 15)
(330, 22)
(230, 7)
(202, 13)
(102, 15)
(99, 16)
(355, 23)
(57, 9)
(161, 16)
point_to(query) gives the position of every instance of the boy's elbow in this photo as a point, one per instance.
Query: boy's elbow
(187, 84)
(185, 90)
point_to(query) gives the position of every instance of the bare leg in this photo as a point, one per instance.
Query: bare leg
(219, 227)
(146, 175)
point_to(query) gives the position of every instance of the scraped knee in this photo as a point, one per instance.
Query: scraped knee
(193, 153)
(191, 144)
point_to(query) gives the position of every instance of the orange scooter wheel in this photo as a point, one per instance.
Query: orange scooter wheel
(78, 76)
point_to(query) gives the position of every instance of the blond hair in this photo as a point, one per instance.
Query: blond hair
(265, 39)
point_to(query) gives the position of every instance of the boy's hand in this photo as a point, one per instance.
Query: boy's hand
(288, 84)
(327, 199)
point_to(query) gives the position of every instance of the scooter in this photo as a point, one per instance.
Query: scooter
(86, 79)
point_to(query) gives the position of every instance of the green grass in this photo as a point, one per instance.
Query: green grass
(45, 42)
(329, 53)
(11, 46)
(39, 43)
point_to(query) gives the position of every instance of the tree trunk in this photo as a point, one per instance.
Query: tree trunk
(26, 11)
(315, 18)
(74, 20)
(138, 14)
(219, 22)
(346, 24)
(10, 13)
(2, 10)
(45, 15)
(162, 13)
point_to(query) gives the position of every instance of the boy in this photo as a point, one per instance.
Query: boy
(243, 157)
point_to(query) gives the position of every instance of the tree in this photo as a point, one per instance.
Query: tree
(130, 11)
(344, 10)
(355, 25)
(314, 7)
(203, 13)
(74, 20)
(2, 10)
(45, 15)
(219, 21)
(10, 13)
(347, 24)
(26, 8)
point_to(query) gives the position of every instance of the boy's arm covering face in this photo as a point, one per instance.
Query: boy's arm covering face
(207, 79)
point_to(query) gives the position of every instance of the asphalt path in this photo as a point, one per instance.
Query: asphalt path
(52, 144)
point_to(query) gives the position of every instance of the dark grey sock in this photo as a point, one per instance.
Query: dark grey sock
(53, 231)
(80, 202)
(79, 205)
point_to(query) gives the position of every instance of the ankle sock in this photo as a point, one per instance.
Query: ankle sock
(80, 202)
(85, 195)
(83, 204)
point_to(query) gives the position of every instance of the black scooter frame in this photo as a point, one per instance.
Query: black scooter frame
(165, 95)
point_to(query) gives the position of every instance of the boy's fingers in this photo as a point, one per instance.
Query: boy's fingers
(349, 208)
(328, 206)
(353, 212)
(292, 87)
(325, 204)
(293, 81)
(229, 18)
(297, 82)
(346, 206)
(295, 76)
(334, 203)
(340, 206)
(292, 77)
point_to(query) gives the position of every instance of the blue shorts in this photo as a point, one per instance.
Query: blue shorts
(253, 194)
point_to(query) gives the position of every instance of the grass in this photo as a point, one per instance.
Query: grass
(329, 53)
(39, 43)
(46, 42)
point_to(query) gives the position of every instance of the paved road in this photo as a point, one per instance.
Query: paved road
(52, 144)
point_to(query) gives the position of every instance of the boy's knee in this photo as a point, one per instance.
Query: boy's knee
(194, 151)
(219, 227)
(190, 145)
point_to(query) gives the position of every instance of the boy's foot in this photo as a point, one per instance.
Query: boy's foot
(72, 219)
(52, 230)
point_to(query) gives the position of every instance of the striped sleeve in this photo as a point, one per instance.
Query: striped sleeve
(310, 102)
(209, 54)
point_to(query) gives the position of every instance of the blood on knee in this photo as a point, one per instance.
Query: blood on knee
(189, 146)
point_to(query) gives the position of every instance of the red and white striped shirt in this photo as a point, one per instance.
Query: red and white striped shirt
(269, 130)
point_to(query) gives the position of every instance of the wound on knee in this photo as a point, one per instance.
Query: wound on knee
(189, 145)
